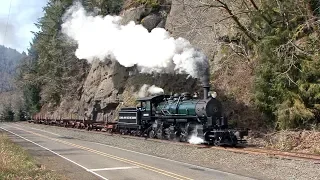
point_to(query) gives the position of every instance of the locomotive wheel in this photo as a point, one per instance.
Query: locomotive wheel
(159, 134)
(234, 141)
(183, 138)
(151, 134)
(174, 137)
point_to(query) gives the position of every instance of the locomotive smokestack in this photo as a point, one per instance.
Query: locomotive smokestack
(205, 83)
(206, 89)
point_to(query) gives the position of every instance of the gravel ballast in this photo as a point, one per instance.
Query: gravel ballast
(255, 166)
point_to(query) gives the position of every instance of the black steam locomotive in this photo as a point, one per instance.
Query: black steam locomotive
(180, 117)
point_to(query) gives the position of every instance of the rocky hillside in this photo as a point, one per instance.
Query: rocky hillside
(111, 84)
(264, 60)
(115, 86)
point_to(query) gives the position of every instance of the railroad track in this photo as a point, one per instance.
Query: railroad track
(283, 154)
(245, 150)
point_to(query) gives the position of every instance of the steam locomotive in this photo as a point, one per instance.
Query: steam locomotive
(171, 117)
(179, 117)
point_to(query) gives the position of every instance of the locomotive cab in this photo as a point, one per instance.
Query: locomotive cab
(148, 106)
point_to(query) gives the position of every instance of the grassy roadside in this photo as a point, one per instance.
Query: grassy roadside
(303, 141)
(16, 163)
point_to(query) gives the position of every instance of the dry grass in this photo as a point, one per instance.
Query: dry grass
(233, 81)
(15, 163)
(296, 141)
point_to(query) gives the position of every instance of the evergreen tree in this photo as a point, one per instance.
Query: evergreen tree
(287, 78)
(7, 113)
(28, 80)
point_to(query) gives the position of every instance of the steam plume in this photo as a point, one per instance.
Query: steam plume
(194, 139)
(146, 90)
(131, 44)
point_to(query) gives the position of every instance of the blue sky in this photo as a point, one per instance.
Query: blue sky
(24, 13)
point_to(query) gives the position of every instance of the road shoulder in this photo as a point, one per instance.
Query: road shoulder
(48, 160)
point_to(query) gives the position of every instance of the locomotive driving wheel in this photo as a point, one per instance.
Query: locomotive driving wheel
(183, 137)
(151, 134)
(159, 133)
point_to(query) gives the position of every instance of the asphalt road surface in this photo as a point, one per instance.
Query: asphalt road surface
(109, 162)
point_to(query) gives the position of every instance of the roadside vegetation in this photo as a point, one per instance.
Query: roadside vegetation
(15, 163)
(8, 114)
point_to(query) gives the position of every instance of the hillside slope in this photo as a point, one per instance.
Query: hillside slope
(9, 59)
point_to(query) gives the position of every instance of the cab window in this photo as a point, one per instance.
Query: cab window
(146, 105)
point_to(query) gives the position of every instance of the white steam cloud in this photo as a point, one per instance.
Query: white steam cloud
(195, 140)
(146, 90)
(132, 44)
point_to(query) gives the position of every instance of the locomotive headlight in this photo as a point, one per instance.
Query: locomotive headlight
(213, 94)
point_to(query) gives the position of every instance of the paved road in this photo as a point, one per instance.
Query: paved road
(108, 162)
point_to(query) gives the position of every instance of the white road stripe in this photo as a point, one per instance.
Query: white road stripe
(179, 162)
(115, 168)
(56, 154)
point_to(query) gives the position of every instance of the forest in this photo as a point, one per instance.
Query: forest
(9, 60)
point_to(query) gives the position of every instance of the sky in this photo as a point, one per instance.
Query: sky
(23, 15)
